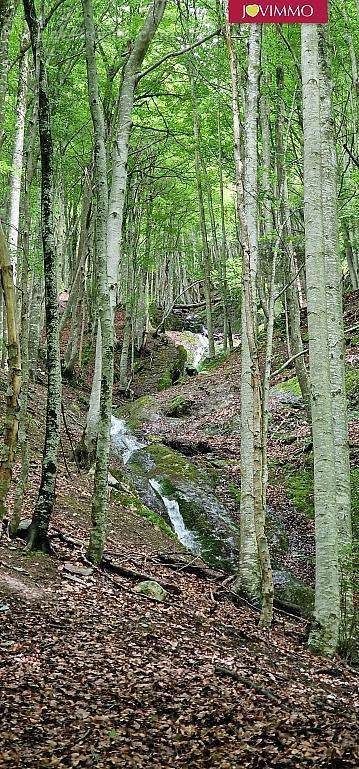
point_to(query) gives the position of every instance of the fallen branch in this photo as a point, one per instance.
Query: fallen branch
(137, 575)
(189, 567)
(168, 313)
(67, 540)
(222, 670)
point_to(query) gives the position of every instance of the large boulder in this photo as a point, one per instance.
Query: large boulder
(160, 365)
(178, 406)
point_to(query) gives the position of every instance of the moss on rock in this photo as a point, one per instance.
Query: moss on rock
(141, 410)
(151, 589)
(290, 385)
(169, 462)
(127, 497)
(178, 406)
(292, 592)
(299, 487)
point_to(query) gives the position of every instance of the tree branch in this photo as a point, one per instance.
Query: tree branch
(174, 54)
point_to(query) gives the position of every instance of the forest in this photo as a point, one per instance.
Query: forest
(179, 386)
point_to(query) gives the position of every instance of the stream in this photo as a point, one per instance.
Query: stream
(173, 486)
(183, 494)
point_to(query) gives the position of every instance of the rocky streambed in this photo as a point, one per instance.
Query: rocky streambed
(153, 438)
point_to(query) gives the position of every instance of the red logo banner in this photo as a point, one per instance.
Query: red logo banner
(280, 12)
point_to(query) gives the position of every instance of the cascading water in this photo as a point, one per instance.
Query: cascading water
(197, 517)
(185, 536)
(201, 349)
(126, 443)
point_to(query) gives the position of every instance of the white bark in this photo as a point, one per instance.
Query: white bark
(249, 568)
(17, 160)
(333, 273)
(119, 183)
(325, 629)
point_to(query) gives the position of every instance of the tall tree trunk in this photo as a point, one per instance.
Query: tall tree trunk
(119, 183)
(38, 539)
(14, 366)
(202, 221)
(17, 157)
(6, 21)
(223, 254)
(100, 495)
(291, 291)
(36, 322)
(30, 165)
(336, 339)
(255, 568)
(325, 629)
(351, 257)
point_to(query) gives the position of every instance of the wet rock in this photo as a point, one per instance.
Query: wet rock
(151, 589)
(181, 482)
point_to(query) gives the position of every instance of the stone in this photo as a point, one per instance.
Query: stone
(24, 524)
(113, 482)
(179, 406)
(151, 589)
(289, 590)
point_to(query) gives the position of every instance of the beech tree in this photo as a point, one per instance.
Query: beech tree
(157, 165)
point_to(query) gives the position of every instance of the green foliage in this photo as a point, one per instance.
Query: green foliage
(165, 381)
(236, 493)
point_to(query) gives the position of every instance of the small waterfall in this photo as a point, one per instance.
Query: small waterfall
(185, 536)
(126, 443)
(201, 349)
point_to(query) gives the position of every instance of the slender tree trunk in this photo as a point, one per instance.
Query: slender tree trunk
(223, 254)
(325, 629)
(14, 367)
(351, 257)
(202, 220)
(254, 569)
(100, 494)
(36, 322)
(119, 181)
(30, 165)
(38, 539)
(6, 21)
(292, 301)
(17, 157)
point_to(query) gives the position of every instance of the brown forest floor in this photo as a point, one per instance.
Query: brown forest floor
(94, 675)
